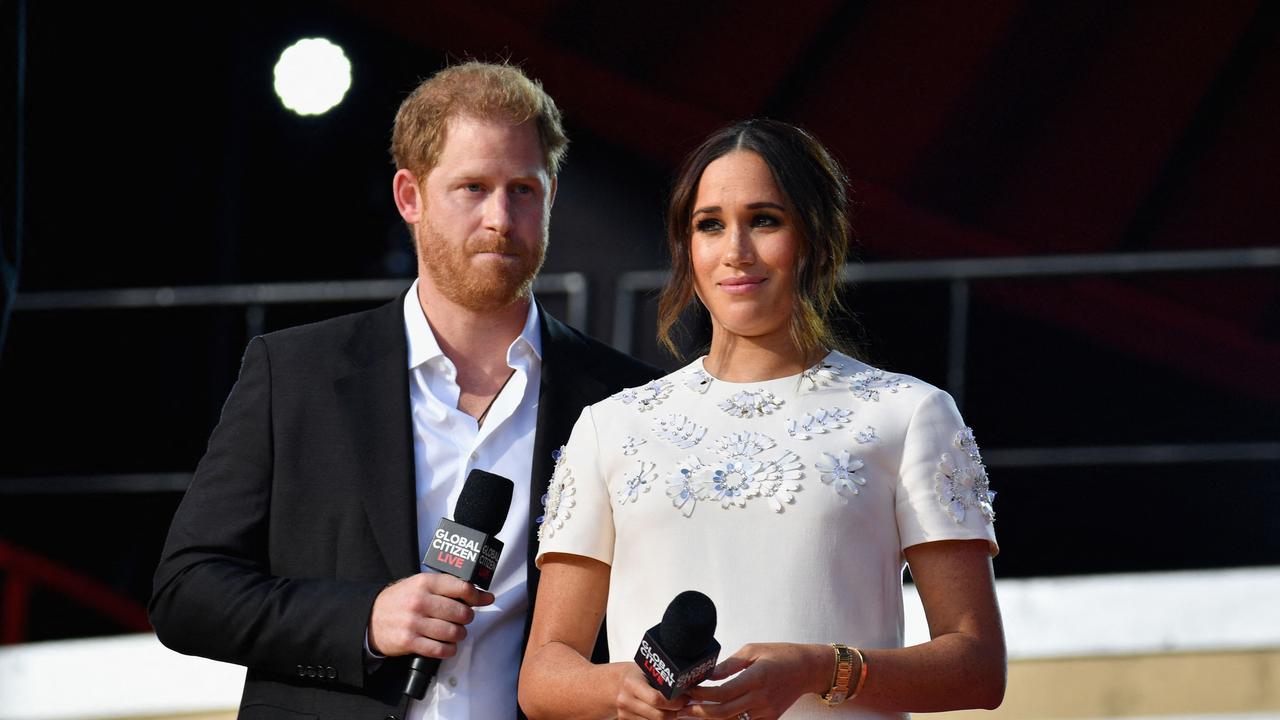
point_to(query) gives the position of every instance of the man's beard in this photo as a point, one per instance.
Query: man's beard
(493, 286)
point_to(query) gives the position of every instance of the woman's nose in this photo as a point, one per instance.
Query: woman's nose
(740, 251)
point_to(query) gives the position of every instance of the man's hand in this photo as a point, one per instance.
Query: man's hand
(424, 614)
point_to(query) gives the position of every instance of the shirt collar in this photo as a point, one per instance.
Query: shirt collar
(424, 347)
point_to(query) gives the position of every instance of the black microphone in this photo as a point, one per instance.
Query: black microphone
(678, 652)
(465, 547)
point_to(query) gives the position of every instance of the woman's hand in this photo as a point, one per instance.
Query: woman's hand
(638, 699)
(773, 676)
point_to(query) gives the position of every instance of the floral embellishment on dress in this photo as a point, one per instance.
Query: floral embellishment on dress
(681, 487)
(631, 445)
(743, 444)
(964, 441)
(826, 372)
(868, 384)
(841, 473)
(734, 481)
(742, 474)
(782, 481)
(558, 501)
(637, 481)
(818, 423)
(962, 483)
(648, 396)
(751, 403)
(679, 430)
(866, 435)
(698, 381)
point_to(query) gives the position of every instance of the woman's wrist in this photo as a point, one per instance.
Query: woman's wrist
(823, 664)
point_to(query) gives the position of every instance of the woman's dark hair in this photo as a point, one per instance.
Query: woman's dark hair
(818, 190)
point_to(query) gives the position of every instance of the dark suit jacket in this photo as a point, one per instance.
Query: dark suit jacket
(303, 508)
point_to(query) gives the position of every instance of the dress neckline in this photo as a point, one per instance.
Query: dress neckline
(699, 367)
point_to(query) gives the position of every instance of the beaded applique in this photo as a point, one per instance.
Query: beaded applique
(822, 374)
(841, 473)
(962, 483)
(679, 430)
(648, 396)
(631, 445)
(558, 501)
(698, 381)
(742, 474)
(637, 481)
(749, 404)
(818, 423)
(866, 435)
(681, 487)
(868, 384)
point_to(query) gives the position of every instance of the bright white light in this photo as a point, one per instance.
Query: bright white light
(312, 76)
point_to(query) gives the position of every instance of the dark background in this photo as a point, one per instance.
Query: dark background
(156, 154)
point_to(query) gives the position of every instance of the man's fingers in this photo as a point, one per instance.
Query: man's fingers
(452, 587)
(444, 608)
(441, 630)
(426, 647)
(427, 606)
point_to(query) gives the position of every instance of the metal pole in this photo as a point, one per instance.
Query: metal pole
(958, 339)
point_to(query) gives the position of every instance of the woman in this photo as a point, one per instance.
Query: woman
(787, 482)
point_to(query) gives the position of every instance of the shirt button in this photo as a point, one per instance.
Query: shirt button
(475, 456)
(453, 681)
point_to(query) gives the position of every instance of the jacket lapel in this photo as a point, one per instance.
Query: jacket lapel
(374, 399)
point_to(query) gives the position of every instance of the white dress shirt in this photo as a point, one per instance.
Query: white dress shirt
(480, 681)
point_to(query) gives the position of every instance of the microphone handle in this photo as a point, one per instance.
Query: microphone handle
(421, 670)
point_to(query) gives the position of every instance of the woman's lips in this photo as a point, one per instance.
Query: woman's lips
(741, 285)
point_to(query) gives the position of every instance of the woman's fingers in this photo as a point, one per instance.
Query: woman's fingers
(636, 698)
(735, 663)
(726, 711)
(727, 693)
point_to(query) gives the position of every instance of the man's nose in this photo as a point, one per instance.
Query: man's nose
(497, 213)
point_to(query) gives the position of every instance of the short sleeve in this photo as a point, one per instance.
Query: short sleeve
(945, 492)
(577, 516)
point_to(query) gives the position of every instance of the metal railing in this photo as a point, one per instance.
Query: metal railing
(958, 273)
(961, 273)
(256, 297)
(999, 458)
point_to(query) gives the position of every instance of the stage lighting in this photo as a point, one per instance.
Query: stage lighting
(312, 76)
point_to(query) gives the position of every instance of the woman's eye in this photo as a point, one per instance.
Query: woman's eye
(708, 225)
(765, 221)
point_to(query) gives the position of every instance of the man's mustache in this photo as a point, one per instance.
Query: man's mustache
(493, 244)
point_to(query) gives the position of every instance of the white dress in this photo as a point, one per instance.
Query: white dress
(788, 502)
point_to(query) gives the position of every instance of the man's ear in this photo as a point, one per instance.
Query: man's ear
(408, 196)
(551, 196)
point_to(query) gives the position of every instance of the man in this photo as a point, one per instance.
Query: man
(296, 550)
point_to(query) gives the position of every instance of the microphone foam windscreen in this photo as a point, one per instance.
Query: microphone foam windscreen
(688, 625)
(484, 502)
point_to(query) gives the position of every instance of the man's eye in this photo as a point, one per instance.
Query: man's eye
(473, 187)
(523, 190)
